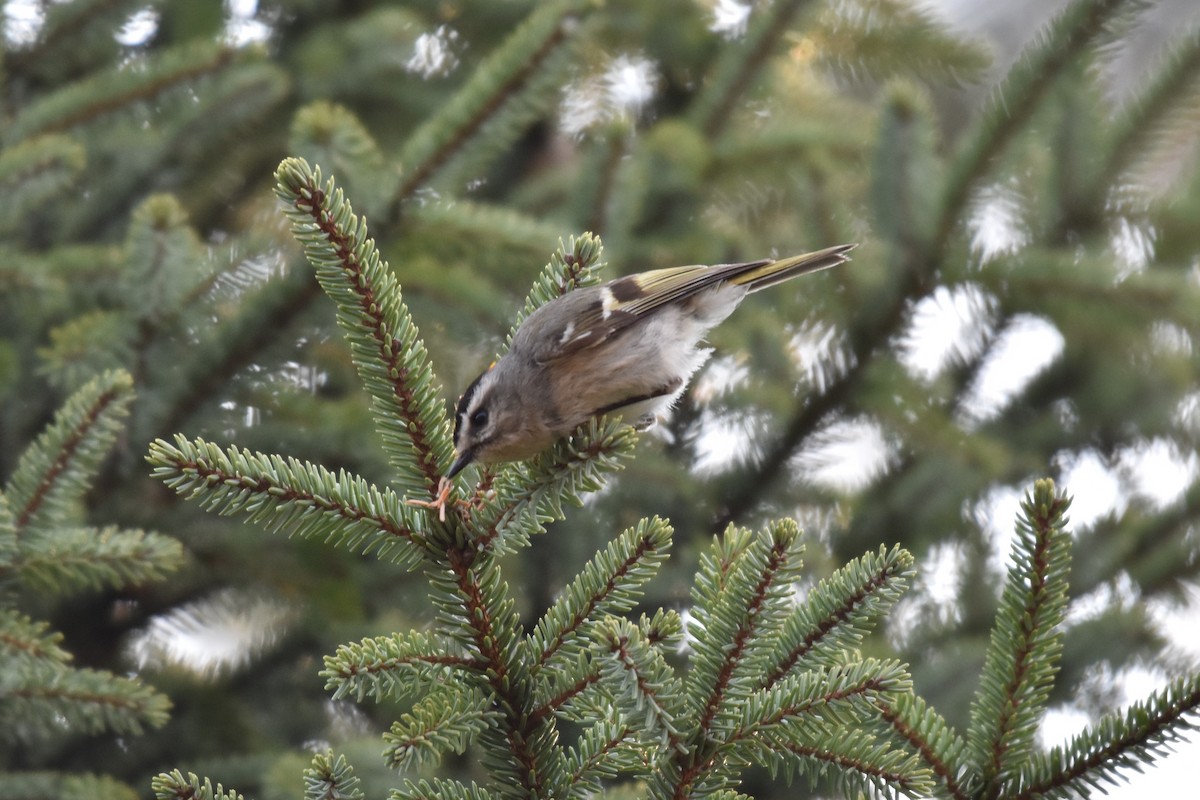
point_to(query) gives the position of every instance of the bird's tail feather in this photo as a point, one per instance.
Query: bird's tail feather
(774, 272)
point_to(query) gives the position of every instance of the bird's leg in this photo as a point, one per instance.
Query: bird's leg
(438, 502)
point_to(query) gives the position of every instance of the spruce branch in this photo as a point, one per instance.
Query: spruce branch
(664, 627)
(331, 777)
(445, 720)
(191, 133)
(330, 134)
(25, 643)
(265, 317)
(162, 253)
(739, 63)
(1055, 51)
(476, 606)
(293, 497)
(730, 621)
(395, 666)
(63, 786)
(469, 252)
(1022, 656)
(932, 738)
(573, 687)
(878, 39)
(904, 177)
(57, 468)
(525, 495)
(66, 24)
(601, 753)
(1117, 741)
(118, 88)
(390, 358)
(571, 691)
(439, 789)
(37, 169)
(642, 684)
(22, 270)
(1149, 117)
(806, 140)
(605, 163)
(839, 612)
(175, 786)
(480, 231)
(505, 92)
(42, 696)
(9, 548)
(849, 690)
(855, 755)
(717, 565)
(47, 699)
(813, 711)
(66, 559)
(81, 347)
(609, 584)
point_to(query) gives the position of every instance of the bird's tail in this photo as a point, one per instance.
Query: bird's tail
(773, 272)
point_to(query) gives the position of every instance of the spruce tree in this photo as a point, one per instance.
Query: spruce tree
(769, 680)
(47, 552)
(141, 233)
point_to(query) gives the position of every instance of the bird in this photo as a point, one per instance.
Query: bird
(628, 346)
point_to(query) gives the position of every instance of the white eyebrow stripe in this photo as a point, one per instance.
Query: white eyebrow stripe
(567, 332)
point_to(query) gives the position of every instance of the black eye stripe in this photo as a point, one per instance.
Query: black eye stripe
(464, 402)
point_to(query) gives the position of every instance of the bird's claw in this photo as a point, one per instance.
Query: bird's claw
(438, 502)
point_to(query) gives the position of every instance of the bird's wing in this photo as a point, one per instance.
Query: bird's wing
(592, 317)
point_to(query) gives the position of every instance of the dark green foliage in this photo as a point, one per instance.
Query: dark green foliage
(44, 547)
(331, 776)
(768, 681)
(481, 680)
(1026, 645)
(284, 494)
(1000, 757)
(57, 785)
(141, 233)
(506, 92)
(874, 39)
(390, 357)
(1117, 741)
(175, 785)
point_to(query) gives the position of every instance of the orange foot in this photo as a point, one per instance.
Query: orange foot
(439, 502)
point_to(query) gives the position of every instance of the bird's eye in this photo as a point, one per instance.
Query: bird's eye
(479, 418)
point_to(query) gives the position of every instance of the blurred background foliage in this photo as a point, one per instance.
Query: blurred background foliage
(1025, 301)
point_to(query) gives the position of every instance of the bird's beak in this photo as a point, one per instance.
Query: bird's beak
(460, 463)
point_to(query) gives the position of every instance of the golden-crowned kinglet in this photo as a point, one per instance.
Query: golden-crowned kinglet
(628, 346)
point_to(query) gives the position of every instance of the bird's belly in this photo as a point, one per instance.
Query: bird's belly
(637, 373)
